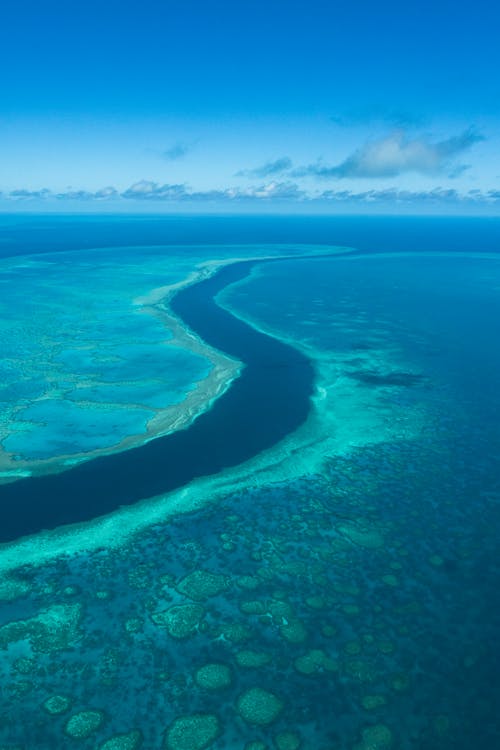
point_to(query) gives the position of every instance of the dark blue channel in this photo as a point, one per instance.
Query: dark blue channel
(270, 399)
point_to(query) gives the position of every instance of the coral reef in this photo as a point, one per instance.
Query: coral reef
(259, 706)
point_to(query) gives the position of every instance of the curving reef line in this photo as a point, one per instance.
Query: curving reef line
(269, 399)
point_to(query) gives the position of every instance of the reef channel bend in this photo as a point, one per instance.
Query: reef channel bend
(270, 398)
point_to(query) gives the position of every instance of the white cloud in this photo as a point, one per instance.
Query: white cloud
(274, 191)
(396, 154)
(271, 193)
(147, 190)
(269, 169)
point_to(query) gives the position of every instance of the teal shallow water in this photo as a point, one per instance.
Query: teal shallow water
(70, 332)
(364, 593)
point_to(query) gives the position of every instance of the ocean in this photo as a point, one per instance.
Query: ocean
(259, 509)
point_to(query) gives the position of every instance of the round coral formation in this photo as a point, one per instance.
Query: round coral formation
(194, 732)
(236, 632)
(293, 631)
(259, 706)
(253, 608)
(248, 582)
(57, 704)
(201, 585)
(128, 741)
(315, 661)
(353, 648)
(181, 620)
(400, 682)
(377, 737)
(287, 741)
(390, 580)
(316, 602)
(213, 676)
(280, 610)
(83, 724)
(372, 702)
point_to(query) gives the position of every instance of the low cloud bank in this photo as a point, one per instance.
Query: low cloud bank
(272, 192)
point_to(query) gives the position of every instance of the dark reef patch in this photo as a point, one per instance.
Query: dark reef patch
(372, 377)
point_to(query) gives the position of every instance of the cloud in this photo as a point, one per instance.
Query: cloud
(273, 192)
(77, 195)
(269, 169)
(23, 194)
(396, 154)
(394, 196)
(147, 190)
(86, 195)
(106, 193)
(177, 151)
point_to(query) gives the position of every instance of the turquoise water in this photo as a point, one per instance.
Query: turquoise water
(55, 427)
(83, 366)
(359, 590)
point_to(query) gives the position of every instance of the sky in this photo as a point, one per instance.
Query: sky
(283, 105)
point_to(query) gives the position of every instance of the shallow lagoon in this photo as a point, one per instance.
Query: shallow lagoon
(69, 323)
(351, 571)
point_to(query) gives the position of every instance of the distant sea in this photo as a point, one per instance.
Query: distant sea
(333, 585)
(37, 233)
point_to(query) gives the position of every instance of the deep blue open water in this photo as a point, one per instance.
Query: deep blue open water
(359, 597)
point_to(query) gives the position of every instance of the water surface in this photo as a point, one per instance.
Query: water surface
(355, 578)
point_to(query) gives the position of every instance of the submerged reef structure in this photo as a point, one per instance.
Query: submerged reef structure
(259, 706)
(181, 620)
(309, 598)
(52, 629)
(195, 732)
(250, 424)
(214, 676)
(83, 724)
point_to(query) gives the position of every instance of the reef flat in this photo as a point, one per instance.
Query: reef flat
(84, 371)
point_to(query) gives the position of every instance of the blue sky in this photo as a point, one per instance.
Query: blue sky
(286, 105)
